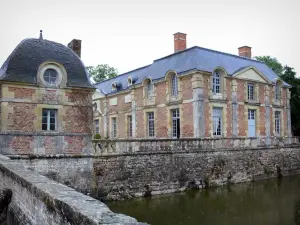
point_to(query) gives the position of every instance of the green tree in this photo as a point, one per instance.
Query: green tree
(289, 76)
(102, 72)
(271, 62)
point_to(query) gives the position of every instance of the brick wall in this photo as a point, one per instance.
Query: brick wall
(162, 123)
(187, 121)
(21, 116)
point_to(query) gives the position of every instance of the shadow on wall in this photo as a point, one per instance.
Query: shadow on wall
(5, 199)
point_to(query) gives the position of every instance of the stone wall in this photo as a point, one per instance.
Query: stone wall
(130, 175)
(31, 143)
(39, 201)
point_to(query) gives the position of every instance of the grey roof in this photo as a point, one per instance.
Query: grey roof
(195, 58)
(24, 61)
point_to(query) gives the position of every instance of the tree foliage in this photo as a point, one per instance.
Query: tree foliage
(102, 72)
(271, 62)
(288, 75)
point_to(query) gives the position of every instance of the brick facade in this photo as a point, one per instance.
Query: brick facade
(187, 85)
(21, 120)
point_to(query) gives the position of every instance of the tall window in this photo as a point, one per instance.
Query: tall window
(217, 121)
(277, 122)
(114, 127)
(250, 92)
(129, 124)
(150, 90)
(174, 85)
(216, 82)
(277, 91)
(97, 126)
(49, 119)
(150, 116)
(175, 123)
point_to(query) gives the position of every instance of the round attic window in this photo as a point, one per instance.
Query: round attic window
(50, 76)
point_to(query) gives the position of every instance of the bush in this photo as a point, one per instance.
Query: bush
(97, 136)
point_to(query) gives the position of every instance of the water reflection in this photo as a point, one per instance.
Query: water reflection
(270, 202)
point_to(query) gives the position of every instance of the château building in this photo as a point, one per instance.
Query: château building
(41, 83)
(194, 93)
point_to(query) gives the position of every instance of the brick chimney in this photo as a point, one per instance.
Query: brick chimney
(179, 42)
(75, 45)
(245, 51)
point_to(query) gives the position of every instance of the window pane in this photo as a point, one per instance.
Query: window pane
(52, 120)
(52, 113)
(151, 132)
(45, 112)
(129, 119)
(217, 121)
(50, 76)
(44, 126)
(44, 119)
(52, 126)
(174, 85)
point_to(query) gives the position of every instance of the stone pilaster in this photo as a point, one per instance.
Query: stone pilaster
(234, 109)
(268, 115)
(105, 118)
(133, 114)
(288, 113)
(198, 106)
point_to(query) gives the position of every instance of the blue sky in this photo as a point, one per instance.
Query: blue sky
(130, 34)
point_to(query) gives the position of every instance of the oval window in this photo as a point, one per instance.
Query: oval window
(50, 76)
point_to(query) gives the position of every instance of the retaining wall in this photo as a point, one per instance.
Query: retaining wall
(38, 200)
(122, 176)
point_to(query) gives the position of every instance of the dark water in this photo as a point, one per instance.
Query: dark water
(269, 202)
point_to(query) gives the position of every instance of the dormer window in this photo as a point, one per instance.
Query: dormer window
(277, 91)
(150, 90)
(174, 85)
(116, 86)
(113, 87)
(216, 81)
(50, 76)
(129, 81)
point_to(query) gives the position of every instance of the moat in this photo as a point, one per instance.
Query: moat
(268, 202)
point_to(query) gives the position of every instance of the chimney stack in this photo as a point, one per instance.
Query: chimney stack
(75, 45)
(179, 42)
(245, 51)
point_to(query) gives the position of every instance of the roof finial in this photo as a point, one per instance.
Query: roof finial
(41, 35)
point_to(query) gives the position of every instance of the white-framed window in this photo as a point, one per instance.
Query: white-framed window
(217, 121)
(250, 92)
(175, 123)
(50, 76)
(174, 85)
(49, 119)
(114, 127)
(150, 89)
(277, 91)
(151, 129)
(216, 82)
(129, 124)
(277, 122)
(97, 128)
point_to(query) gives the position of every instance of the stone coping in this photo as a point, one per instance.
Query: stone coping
(138, 153)
(191, 139)
(27, 133)
(74, 207)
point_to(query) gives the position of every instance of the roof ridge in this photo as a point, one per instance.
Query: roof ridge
(211, 50)
(123, 74)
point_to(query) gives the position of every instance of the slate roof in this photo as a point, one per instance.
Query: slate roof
(195, 58)
(23, 63)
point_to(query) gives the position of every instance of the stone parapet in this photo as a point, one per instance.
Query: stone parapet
(38, 200)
